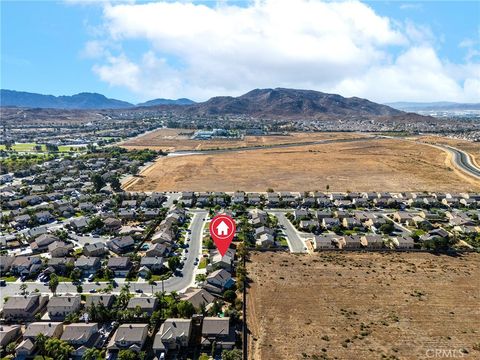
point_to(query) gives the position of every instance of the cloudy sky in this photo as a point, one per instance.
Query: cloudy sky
(139, 50)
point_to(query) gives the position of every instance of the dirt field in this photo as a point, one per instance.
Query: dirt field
(365, 165)
(179, 139)
(363, 306)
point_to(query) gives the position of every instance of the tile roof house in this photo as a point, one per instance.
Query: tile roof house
(19, 307)
(81, 336)
(121, 245)
(148, 304)
(88, 265)
(217, 330)
(49, 329)
(106, 300)
(9, 333)
(95, 249)
(119, 265)
(129, 336)
(173, 334)
(198, 297)
(60, 306)
(221, 279)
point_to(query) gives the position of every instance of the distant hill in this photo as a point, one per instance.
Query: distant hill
(78, 101)
(434, 106)
(158, 102)
(82, 101)
(291, 103)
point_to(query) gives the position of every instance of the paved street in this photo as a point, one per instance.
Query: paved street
(295, 238)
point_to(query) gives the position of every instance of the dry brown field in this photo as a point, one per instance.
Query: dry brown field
(364, 165)
(363, 306)
(179, 139)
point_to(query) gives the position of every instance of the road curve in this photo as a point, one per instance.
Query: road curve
(463, 161)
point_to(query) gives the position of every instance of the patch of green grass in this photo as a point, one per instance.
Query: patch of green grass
(203, 263)
(64, 279)
(9, 278)
(283, 242)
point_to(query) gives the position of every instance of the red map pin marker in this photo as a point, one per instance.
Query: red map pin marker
(222, 231)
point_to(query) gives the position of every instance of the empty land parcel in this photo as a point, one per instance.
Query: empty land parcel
(361, 165)
(180, 139)
(363, 305)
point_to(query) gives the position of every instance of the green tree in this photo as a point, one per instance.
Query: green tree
(173, 263)
(40, 341)
(229, 295)
(235, 354)
(97, 181)
(115, 184)
(23, 288)
(53, 283)
(10, 348)
(58, 349)
(92, 354)
(127, 355)
(185, 309)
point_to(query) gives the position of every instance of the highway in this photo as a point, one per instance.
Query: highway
(294, 238)
(174, 283)
(463, 161)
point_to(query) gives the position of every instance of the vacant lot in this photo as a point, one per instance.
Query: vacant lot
(179, 139)
(362, 165)
(363, 306)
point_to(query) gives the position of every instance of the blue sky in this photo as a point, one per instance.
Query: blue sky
(58, 47)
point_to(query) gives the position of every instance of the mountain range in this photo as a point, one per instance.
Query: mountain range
(82, 101)
(267, 103)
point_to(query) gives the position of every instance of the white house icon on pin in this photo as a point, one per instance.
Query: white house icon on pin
(222, 229)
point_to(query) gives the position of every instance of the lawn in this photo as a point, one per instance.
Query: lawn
(9, 278)
(31, 147)
(203, 263)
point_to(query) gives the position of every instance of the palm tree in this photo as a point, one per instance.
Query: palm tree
(40, 341)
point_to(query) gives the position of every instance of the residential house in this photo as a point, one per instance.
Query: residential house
(218, 331)
(148, 304)
(59, 249)
(49, 329)
(198, 297)
(221, 279)
(23, 307)
(106, 300)
(121, 245)
(153, 263)
(95, 249)
(6, 262)
(44, 217)
(88, 265)
(81, 336)
(119, 265)
(129, 337)
(8, 334)
(158, 250)
(26, 265)
(323, 242)
(174, 334)
(40, 244)
(265, 240)
(372, 241)
(62, 305)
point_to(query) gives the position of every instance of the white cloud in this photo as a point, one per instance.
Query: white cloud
(198, 51)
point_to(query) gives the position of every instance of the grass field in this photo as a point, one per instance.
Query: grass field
(30, 147)
(365, 165)
(363, 306)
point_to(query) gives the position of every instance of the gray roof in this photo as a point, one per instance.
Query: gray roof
(19, 302)
(78, 332)
(131, 333)
(216, 326)
(46, 328)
